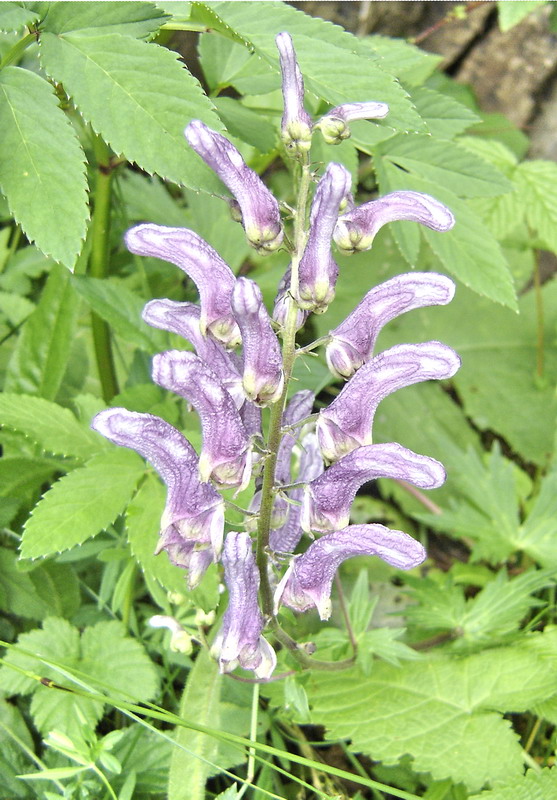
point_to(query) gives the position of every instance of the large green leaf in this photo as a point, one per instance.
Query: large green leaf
(52, 427)
(445, 117)
(112, 660)
(139, 20)
(469, 251)
(534, 785)
(537, 189)
(443, 712)
(14, 16)
(335, 65)
(40, 358)
(138, 97)
(41, 165)
(82, 503)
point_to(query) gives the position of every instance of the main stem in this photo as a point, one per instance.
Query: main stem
(99, 266)
(288, 357)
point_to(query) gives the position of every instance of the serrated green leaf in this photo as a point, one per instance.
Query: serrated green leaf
(444, 163)
(138, 97)
(143, 518)
(534, 785)
(120, 307)
(139, 20)
(444, 116)
(220, 59)
(147, 198)
(52, 427)
(18, 590)
(113, 661)
(510, 14)
(405, 61)
(21, 474)
(82, 504)
(440, 711)
(356, 74)
(39, 150)
(468, 251)
(14, 16)
(39, 360)
(537, 188)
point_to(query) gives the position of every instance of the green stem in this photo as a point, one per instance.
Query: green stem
(99, 266)
(14, 54)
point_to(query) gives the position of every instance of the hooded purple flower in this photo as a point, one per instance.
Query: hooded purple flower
(239, 641)
(356, 230)
(214, 279)
(184, 320)
(296, 122)
(226, 453)
(308, 580)
(347, 423)
(263, 378)
(352, 341)
(327, 499)
(334, 125)
(285, 538)
(317, 271)
(192, 523)
(259, 209)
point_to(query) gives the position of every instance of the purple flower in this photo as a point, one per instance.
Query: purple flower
(239, 641)
(352, 341)
(214, 279)
(285, 538)
(226, 453)
(296, 122)
(259, 209)
(192, 523)
(347, 423)
(184, 320)
(327, 499)
(263, 378)
(334, 126)
(309, 578)
(317, 271)
(356, 230)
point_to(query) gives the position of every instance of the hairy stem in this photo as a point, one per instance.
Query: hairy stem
(99, 266)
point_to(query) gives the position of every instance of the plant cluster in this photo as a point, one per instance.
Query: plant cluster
(425, 676)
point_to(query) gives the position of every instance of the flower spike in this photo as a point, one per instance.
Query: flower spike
(226, 453)
(356, 230)
(184, 320)
(347, 423)
(334, 125)
(192, 523)
(285, 539)
(263, 377)
(239, 641)
(327, 499)
(298, 408)
(318, 272)
(214, 279)
(352, 341)
(308, 580)
(259, 209)
(296, 122)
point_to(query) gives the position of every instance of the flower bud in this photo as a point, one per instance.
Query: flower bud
(334, 125)
(296, 122)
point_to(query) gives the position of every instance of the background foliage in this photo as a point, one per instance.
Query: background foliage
(455, 693)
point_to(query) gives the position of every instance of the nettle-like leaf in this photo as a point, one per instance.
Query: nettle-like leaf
(534, 785)
(445, 116)
(137, 96)
(469, 251)
(39, 360)
(357, 75)
(40, 153)
(405, 61)
(14, 16)
(537, 188)
(53, 428)
(113, 662)
(138, 20)
(82, 504)
(443, 712)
